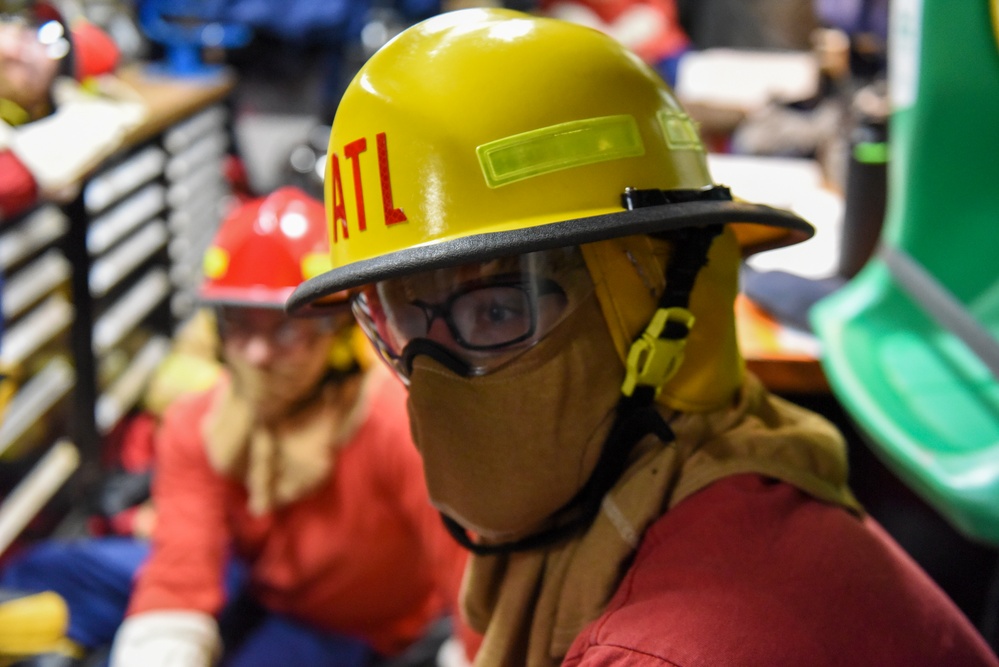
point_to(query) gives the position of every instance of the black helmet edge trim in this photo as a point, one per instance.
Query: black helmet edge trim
(307, 297)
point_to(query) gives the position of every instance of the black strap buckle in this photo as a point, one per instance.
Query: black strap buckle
(634, 198)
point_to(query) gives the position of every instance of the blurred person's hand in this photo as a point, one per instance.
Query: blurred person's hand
(167, 639)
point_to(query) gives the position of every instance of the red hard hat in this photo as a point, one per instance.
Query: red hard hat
(94, 52)
(265, 248)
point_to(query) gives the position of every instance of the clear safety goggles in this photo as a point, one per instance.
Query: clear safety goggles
(239, 325)
(483, 314)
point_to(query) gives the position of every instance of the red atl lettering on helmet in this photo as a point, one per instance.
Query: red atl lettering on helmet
(339, 221)
(392, 214)
(351, 151)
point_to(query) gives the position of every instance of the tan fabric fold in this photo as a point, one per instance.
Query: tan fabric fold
(282, 461)
(531, 606)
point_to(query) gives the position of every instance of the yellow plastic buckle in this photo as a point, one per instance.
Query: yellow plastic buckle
(652, 360)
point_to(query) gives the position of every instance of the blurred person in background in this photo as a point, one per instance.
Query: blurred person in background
(649, 28)
(38, 49)
(289, 519)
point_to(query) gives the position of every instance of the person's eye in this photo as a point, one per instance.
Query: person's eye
(501, 310)
(492, 316)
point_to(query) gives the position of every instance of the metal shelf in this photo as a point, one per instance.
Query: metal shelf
(124, 218)
(211, 148)
(126, 391)
(35, 489)
(34, 399)
(133, 307)
(187, 132)
(110, 186)
(115, 266)
(35, 330)
(207, 175)
(33, 282)
(33, 233)
(88, 302)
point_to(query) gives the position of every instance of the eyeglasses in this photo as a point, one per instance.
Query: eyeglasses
(239, 325)
(485, 314)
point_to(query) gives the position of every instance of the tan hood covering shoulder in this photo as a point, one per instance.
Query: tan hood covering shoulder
(531, 606)
(281, 462)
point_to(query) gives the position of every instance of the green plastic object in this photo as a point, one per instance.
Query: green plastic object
(927, 397)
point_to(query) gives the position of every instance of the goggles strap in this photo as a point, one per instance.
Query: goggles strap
(438, 353)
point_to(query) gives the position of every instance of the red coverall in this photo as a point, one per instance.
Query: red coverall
(363, 555)
(752, 572)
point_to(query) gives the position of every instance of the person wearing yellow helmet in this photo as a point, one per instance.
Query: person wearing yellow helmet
(524, 217)
(291, 469)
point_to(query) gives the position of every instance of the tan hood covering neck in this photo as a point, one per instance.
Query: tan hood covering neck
(283, 460)
(530, 606)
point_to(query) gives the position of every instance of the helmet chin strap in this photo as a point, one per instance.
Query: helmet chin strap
(637, 415)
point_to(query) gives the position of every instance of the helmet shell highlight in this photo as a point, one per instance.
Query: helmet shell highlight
(264, 249)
